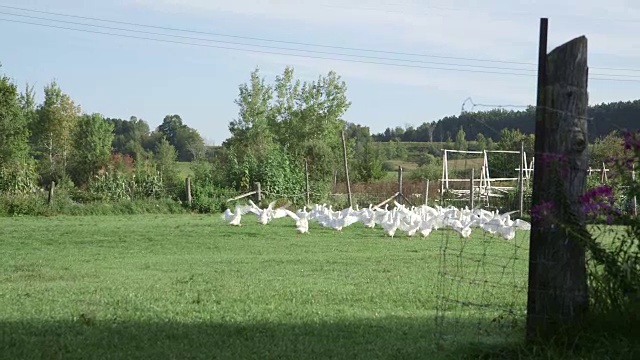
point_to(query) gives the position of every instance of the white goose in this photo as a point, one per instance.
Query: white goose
(233, 218)
(301, 218)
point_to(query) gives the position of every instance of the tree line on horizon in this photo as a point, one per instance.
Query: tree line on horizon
(282, 129)
(603, 119)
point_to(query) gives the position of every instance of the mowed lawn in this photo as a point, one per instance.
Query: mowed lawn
(190, 286)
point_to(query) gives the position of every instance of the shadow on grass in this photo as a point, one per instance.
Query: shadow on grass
(87, 338)
(386, 338)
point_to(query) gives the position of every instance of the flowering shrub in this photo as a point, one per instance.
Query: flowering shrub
(616, 276)
(613, 252)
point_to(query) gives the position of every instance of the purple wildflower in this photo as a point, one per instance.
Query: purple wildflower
(599, 201)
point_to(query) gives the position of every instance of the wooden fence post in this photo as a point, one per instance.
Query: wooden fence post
(426, 194)
(187, 183)
(521, 181)
(635, 199)
(306, 172)
(51, 188)
(471, 188)
(346, 168)
(256, 187)
(557, 293)
(400, 197)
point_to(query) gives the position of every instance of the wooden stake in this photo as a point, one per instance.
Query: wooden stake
(51, 188)
(258, 193)
(521, 181)
(346, 168)
(187, 183)
(426, 194)
(471, 188)
(400, 184)
(557, 293)
(635, 200)
(306, 172)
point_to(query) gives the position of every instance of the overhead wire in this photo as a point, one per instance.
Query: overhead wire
(290, 42)
(289, 49)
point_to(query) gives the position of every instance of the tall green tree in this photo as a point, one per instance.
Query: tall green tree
(53, 132)
(250, 131)
(14, 134)
(481, 142)
(92, 141)
(28, 104)
(461, 141)
(187, 141)
(165, 158)
(131, 137)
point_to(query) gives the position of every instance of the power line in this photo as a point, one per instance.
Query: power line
(269, 40)
(291, 42)
(258, 51)
(266, 46)
(424, 11)
(293, 55)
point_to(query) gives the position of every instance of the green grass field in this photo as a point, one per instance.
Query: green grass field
(189, 286)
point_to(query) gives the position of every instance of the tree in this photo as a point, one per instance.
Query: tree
(431, 127)
(92, 146)
(171, 125)
(165, 157)
(302, 118)
(28, 105)
(481, 142)
(369, 163)
(53, 132)
(132, 137)
(505, 165)
(14, 134)
(605, 148)
(250, 132)
(461, 142)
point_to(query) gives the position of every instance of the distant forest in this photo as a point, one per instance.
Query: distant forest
(603, 119)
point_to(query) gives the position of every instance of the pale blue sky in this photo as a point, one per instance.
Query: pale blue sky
(121, 77)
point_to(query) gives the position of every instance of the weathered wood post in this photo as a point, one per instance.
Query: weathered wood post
(473, 173)
(521, 181)
(426, 194)
(256, 188)
(635, 199)
(306, 173)
(557, 294)
(187, 184)
(51, 188)
(400, 198)
(346, 168)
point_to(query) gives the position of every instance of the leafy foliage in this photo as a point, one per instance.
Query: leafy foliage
(280, 125)
(14, 133)
(92, 146)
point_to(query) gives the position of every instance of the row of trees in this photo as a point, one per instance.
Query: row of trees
(280, 128)
(133, 137)
(605, 118)
(56, 141)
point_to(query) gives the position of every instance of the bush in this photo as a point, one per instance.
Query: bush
(36, 205)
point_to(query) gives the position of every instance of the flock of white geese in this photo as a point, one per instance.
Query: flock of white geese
(414, 220)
